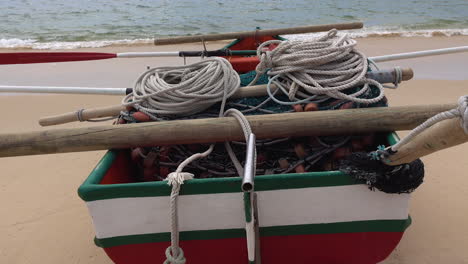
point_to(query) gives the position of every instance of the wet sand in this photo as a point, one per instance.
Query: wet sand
(44, 220)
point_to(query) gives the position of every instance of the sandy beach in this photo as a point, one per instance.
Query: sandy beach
(44, 220)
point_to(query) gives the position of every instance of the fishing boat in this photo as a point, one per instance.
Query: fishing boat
(320, 217)
(299, 216)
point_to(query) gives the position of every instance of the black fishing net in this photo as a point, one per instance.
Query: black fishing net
(403, 178)
(275, 156)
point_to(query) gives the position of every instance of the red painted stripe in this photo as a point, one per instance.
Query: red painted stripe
(42, 57)
(349, 248)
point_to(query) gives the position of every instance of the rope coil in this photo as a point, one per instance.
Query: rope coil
(183, 90)
(314, 71)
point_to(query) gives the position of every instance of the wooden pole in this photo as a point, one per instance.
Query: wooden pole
(114, 110)
(442, 135)
(258, 33)
(383, 76)
(217, 130)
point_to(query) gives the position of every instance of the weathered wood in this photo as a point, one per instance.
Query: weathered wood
(442, 135)
(86, 114)
(98, 112)
(247, 91)
(216, 130)
(258, 33)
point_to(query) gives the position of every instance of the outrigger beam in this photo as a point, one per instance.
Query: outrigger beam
(209, 130)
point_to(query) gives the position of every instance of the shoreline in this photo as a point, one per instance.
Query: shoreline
(365, 33)
(124, 72)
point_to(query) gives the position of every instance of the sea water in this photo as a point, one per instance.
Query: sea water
(53, 24)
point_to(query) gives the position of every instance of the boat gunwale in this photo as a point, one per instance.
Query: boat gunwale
(92, 190)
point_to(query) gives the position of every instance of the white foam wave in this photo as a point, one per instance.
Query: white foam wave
(33, 44)
(362, 33)
(386, 32)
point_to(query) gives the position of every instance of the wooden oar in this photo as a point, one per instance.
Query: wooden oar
(44, 57)
(216, 130)
(382, 76)
(258, 33)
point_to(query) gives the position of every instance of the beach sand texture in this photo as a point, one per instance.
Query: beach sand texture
(44, 221)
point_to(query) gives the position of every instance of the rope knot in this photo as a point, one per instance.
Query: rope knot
(177, 258)
(178, 178)
(463, 110)
(266, 62)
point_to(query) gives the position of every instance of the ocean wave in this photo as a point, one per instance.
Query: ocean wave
(16, 43)
(386, 32)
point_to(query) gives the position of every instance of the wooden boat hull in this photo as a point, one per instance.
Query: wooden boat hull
(320, 217)
(350, 248)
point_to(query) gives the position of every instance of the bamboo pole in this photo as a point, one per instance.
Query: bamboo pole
(258, 33)
(216, 130)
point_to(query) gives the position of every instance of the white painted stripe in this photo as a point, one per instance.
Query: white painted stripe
(329, 205)
(131, 216)
(143, 215)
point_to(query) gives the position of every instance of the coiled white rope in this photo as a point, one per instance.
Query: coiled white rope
(314, 71)
(183, 90)
(461, 111)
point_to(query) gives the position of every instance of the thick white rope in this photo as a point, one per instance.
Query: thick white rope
(244, 123)
(315, 70)
(461, 111)
(175, 254)
(187, 90)
(183, 90)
